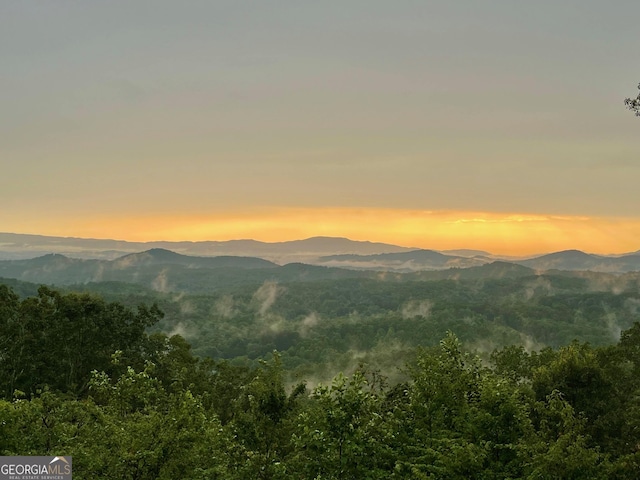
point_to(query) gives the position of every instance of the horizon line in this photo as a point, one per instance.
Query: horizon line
(328, 237)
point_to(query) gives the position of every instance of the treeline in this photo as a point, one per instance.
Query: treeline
(81, 376)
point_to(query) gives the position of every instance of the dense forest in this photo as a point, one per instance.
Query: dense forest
(96, 379)
(323, 326)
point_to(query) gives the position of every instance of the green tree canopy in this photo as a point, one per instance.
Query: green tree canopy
(55, 340)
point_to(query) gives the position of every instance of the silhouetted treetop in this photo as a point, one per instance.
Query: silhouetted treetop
(633, 104)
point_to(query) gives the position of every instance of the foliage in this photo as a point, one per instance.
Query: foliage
(633, 104)
(55, 340)
(138, 406)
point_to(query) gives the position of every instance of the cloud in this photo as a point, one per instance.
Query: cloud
(417, 308)
(307, 324)
(161, 282)
(182, 330)
(266, 296)
(612, 324)
(224, 306)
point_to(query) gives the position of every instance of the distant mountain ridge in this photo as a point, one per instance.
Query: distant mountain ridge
(161, 256)
(324, 251)
(166, 271)
(163, 270)
(578, 260)
(22, 246)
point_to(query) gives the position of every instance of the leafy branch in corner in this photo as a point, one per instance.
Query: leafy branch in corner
(633, 104)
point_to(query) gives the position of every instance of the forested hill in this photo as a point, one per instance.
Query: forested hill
(421, 260)
(81, 376)
(20, 246)
(163, 270)
(166, 271)
(377, 318)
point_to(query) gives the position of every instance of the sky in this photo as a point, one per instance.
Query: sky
(494, 124)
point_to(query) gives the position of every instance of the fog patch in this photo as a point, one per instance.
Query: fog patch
(161, 282)
(129, 260)
(529, 343)
(187, 307)
(224, 306)
(307, 324)
(272, 323)
(266, 296)
(358, 355)
(182, 330)
(382, 357)
(607, 283)
(613, 326)
(485, 346)
(417, 308)
(99, 275)
(540, 284)
(178, 297)
(633, 305)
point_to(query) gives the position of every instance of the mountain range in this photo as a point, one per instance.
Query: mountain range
(75, 260)
(166, 271)
(15, 246)
(419, 260)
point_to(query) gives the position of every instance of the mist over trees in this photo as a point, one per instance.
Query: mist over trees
(83, 376)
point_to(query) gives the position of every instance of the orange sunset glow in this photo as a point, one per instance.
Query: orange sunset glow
(439, 125)
(506, 234)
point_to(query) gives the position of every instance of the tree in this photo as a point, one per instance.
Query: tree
(342, 433)
(263, 422)
(578, 375)
(55, 340)
(633, 104)
(14, 339)
(563, 450)
(143, 431)
(444, 396)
